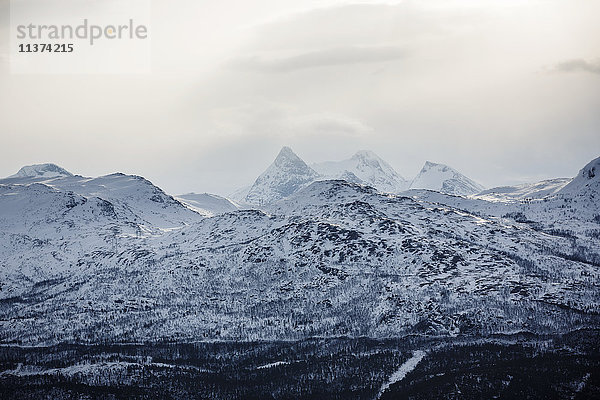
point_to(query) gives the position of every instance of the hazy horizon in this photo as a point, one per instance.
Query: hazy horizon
(249, 183)
(506, 92)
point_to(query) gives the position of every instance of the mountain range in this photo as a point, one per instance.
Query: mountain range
(289, 173)
(116, 259)
(364, 167)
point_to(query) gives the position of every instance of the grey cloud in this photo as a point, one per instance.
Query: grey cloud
(578, 65)
(329, 124)
(321, 58)
(281, 120)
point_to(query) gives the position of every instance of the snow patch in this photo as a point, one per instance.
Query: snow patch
(401, 373)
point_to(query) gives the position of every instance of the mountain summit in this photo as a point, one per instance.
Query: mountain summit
(41, 170)
(285, 175)
(368, 167)
(289, 173)
(442, 178)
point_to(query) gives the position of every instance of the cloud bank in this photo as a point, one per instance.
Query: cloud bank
(321, 58)
(579, 65)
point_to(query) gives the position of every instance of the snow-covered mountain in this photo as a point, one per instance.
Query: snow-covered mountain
(129, 195)
(332, 258)
(364, 167)
(286, 175)
(537, 190)
(573, 210)
(41, 170)
(208, 204)
(289, 173)
(444, 179)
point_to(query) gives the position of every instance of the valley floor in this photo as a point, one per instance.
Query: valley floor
(510, 367)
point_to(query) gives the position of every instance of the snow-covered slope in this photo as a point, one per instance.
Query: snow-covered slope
(239, 195)
(444, 179)
(34, 208)
(41, 170)
(368, 167)
(331, 258)
(334, 258)
(289, 173)
(286, 175)
(586, 183)
(208, 204)
(573, 210)
(537, 190)
(45, 231)
(128, 194)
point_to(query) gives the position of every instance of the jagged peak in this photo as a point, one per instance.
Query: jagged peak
(287, 159)
(430, 164)
(286, 151)
(365, 154)
(287, 154)
(369, 157)
(364, 167)
(445, 179)
(283, 177)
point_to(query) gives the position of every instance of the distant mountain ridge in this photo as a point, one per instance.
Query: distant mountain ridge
(131, 197)
(444, 179)
(289, 173)
(364, 167)
(47, 170)
(536, 190)
(208, 204)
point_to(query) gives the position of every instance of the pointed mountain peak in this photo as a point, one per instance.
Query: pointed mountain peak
(286, 155)
(365, 154)
(368, 157)
(430, 165)
(286, 151)
(364, 167)
(444, 179)
(47, 170)
(287, 174)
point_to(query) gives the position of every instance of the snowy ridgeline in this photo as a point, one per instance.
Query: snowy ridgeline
(114, 258)
(289, 173)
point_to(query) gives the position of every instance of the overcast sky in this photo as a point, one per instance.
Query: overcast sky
(504, 91)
